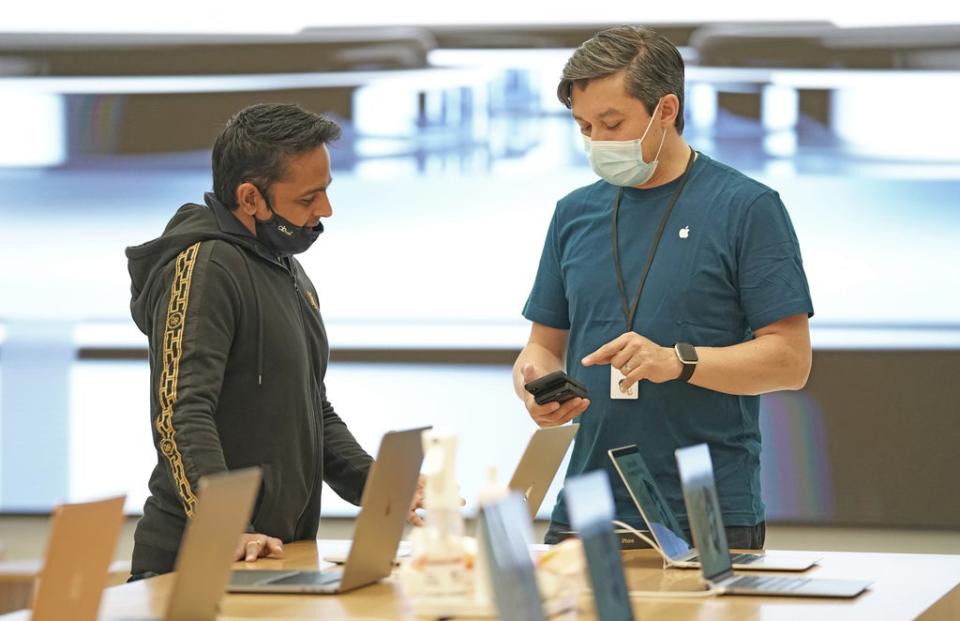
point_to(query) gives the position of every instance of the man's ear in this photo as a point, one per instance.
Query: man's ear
(669, 109)
(249, 199)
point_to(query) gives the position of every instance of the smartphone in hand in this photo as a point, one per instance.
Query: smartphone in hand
(556, 386)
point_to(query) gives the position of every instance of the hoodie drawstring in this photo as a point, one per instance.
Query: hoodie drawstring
(256, 295)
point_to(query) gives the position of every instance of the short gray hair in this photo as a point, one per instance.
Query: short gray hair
(652, 64)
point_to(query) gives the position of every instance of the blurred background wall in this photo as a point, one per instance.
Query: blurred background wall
(454, 153)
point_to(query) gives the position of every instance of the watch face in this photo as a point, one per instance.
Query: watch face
(687, 353)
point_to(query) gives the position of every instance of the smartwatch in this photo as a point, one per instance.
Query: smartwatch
(687, 354)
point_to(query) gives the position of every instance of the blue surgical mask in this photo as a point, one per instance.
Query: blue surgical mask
(621, 162)
(284, 237)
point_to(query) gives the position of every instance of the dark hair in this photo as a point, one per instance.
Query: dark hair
(652, 66)
(258, 141)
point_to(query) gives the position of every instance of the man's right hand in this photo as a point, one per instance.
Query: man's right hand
(254, 545)
(550, 414)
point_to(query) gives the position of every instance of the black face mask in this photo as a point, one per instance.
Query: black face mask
(282, 236)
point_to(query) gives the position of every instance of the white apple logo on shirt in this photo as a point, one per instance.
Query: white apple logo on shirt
(685, 232)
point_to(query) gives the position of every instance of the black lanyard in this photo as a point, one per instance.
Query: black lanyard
(629, 313)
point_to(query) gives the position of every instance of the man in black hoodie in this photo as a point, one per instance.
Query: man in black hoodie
(238, 350)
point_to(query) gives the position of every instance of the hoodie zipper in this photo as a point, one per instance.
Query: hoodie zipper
(317, 422)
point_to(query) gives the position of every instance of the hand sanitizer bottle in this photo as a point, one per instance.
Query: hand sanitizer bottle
(443, 559)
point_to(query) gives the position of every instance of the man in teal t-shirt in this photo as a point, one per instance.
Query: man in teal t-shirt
(672, 288)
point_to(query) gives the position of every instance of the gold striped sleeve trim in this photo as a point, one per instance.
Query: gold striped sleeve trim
(172, 351)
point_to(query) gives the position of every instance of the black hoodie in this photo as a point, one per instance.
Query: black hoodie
(238, 354)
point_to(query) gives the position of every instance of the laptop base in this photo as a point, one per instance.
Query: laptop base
(284, 581)
(774, 586)
(761, 563)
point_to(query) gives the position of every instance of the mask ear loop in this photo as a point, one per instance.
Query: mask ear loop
(663, 137)
(656, 158)
(649, 125)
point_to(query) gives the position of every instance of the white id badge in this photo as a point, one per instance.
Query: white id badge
(615, 392)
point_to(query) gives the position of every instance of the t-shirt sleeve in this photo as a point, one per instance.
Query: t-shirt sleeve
(547, 303)
(773, 285)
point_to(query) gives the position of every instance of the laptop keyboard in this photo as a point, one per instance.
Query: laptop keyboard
(310, 578)
(769, 583)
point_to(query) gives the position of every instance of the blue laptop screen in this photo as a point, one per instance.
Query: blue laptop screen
(508, 535)
(590, 505)
(643, 488)
(703, 509)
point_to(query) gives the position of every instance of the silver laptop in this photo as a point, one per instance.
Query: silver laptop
(665, 529)
(539, 463)
(387, 495)
(224, 505)
(706, 522)
(83, 537)
(591, 510)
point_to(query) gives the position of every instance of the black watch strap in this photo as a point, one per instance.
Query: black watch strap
(687, 354)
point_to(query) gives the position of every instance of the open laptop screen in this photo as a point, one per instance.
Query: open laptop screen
(590, 504)
(507, 536)
(703, 509)
(539, 463)
(83, 537)
(653, 506)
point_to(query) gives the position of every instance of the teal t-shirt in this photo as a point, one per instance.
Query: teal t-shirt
(728, 264)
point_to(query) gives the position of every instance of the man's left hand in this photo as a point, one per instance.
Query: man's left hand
(414, 517)
(638, 358)
(417, 503)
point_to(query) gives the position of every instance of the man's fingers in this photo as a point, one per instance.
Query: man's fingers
(605, 352)
(568, 406)
(570, 415)
(574, 412)
(549, 418)
(580, 409)
(539, 411)
(253, 550)
(569, 410)
(529, 372)
(416, 503)
(275, 547)
(626, 356)
(255, 545)
(633, 377)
